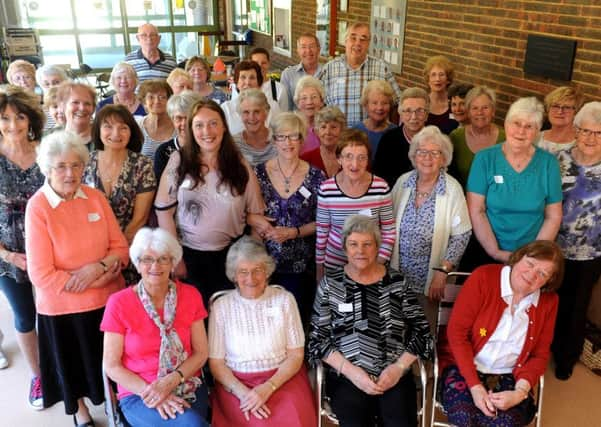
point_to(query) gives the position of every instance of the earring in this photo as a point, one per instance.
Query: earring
(30, 134)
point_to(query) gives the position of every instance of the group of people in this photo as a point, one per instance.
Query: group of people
(198, 202)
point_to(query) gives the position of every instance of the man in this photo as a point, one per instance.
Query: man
(149, 61)
(345, 77)
(307, 48)
(273, 90)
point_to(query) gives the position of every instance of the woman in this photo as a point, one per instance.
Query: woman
(179, 80)
(500, 332)
(75, 252)
(21, 73)
(256, 349)
(213, 193)
(369, 328)
(438, 74)
(479, 133)
(125, 176)
(377, 99)
(561, 105)
(200, 71)
(309, 98)
(156, 126)
(55, 116)
(49, 75)
(579, 236)
(431, 218)
(254, 142)
(155, 341)
(353, 190)
(514, 188)
(21, 124)
(329, 122)
(178, 107)
(124, 80)
(457, 93)
(247, 75)
(289, 186)
(77, 101)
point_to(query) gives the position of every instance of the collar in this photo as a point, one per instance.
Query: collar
(54, 199)
(439, 188)
(301, 69)
(359, 67)
(507, 292)
(140, 55)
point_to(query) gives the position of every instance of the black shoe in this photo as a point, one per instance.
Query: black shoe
(562, 373)
(88, 424)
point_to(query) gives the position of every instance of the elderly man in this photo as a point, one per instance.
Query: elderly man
(272, 89)
(345, 76)
(307, 48)
(149, 61)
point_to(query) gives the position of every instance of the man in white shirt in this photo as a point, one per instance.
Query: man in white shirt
(307, 48)
(272, 89)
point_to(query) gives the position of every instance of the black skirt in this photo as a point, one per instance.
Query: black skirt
(71, 358)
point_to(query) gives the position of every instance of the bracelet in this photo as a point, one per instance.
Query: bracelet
(297, 231)
(524, 391)
(181, 374)
(341, 366)
(273, 387)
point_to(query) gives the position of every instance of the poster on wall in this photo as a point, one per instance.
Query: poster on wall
(259, 16)
(388, 31)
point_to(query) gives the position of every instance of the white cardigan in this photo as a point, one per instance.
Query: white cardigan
(450, 219)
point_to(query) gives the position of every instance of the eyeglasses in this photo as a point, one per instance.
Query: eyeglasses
(562, 108)
(435, 154)
(419, 112)
(309, 98)
(361, 158)
(148, 36)
(355, 38)
(588, 132)
(148, 260)
(153, 97)
(62, 168)
(257, 271)
(294, 137)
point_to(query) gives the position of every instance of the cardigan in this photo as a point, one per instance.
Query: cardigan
(476, 314)
(451, 218)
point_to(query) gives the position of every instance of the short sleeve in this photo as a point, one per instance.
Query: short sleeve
(554, 181)
(217, 332)
(294, 327)
(111, 320)
(476, 181)
(254, 198)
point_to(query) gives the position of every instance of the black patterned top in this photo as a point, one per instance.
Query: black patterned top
(16, 187)
(371, 325)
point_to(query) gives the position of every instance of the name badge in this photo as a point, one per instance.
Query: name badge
(456, 221)
(273, 312)
(499, 179)
(303, 190)
(568, 179)
(93, 217)
(366, 212)
(345, 307)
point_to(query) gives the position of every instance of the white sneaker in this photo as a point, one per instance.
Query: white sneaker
(3, 360)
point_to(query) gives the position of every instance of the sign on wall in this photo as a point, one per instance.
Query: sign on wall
(259, 16)
(388, 31)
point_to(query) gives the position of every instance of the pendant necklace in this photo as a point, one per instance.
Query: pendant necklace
(287, 178)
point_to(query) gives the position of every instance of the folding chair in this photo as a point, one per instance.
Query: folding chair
(113, 413)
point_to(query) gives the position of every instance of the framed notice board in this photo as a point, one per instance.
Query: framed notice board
(388, 31)
(259, 16)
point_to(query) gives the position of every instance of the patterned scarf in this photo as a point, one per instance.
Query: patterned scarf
(172, 352)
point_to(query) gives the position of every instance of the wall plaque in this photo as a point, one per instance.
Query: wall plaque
(550, 57)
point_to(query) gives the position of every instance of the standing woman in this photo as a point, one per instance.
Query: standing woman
(290, 186)
(579, 236)
(124, 80)
(78, 100)
(561, 105)
(49, 76)
(156, 126)
(439, 73)
(21, 124)
(179, 80)
(212, 191)
(308, 97)
(200, 71)
(75, 252)
(22, 73)
(329, 122)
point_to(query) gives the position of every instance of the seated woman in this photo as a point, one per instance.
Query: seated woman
(368, 326)
(329, 124)
(500, 334)
(561, 105)
(155, 340)
(256, 345)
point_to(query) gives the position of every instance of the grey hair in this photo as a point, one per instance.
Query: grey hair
(156, 239)
(291, 121)
(530, 108)
(49, 70)
(361, 224)
(59, 143)
(182, 102)
(414, 92)
(247, 249)
(590, 112)
(329, 114)
(256, 96)
(353, 26)
(477, 91)
(432, 134)
(379, 86)
(123, 66)
(306, 83)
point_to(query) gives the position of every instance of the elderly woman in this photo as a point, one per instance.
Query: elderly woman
(179, 80)
(289, 186)
(156, 126)
(479, 133)
(561, 105)
(48, 76)
(200, 71)
(391, 160)
(377, 99)
(329, 122)
(256, 348)
(500, 332)
(431, 218)
(309, 98)
(21, 73)
(438, 75)
(579, 236)
(77, 101)
(213, 193)
(75, 252)
(254, 142)
(514, 188)
(369, 328)
(21, 123)
(155, 340)
(353, 190)
(247, 75)
(124, 80)
(457, 93)
(178, 107)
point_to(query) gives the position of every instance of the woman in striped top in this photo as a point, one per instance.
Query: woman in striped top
(354, 190)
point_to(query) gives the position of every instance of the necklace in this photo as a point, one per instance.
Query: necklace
(289, 177)
(129, 104)
(422, 194)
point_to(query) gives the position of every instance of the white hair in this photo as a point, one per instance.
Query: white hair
(57, 144)
(247, 249)
(156, 239)
(528, 108)
(434, 135)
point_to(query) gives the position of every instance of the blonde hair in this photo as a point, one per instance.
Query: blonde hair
(442, 62)
(380, 86)
(564, 93)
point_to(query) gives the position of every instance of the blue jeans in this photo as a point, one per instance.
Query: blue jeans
(20, 298)
(139, 415)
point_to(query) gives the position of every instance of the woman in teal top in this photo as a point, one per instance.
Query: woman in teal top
(514, 188)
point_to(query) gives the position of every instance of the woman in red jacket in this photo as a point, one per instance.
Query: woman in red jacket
(500, 333)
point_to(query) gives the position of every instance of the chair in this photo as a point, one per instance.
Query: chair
(442, 350)
(113, 413)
